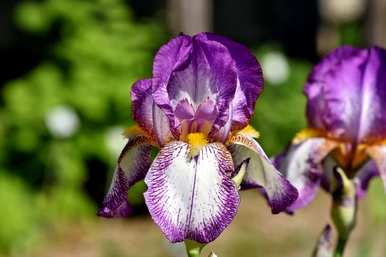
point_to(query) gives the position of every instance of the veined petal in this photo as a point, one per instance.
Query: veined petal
(333, 90)
(302, 166)
(249, 80)
(372, 124)
(133, 163)
(148, 115)
(191, 198)
(378, 154)
(346, 94)
(261, 173)
(142, 103)
(171, 56)
(208, 73)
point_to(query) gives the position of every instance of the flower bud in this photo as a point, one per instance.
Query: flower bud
(324, 246)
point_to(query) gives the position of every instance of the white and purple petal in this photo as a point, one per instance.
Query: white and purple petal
(192, 198)
(302, 166)
(261, 173)
(133, 163)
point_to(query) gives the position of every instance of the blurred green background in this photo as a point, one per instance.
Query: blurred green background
(64, 101)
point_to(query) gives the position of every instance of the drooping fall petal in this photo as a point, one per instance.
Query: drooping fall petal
(192, 197)
(133, 163)
(301, 164)
(364, 176)
(261, 173)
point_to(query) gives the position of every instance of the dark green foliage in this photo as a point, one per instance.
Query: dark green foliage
(99, 52)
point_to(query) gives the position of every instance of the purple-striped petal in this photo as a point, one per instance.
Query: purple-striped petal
(249, 80)
(133, 163)
(378, 154)
(148, 115)
(346, 94)
(192, 198)
(302, 166)
(261, 173)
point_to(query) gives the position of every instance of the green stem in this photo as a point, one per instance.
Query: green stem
(344, 209)
(339, 250)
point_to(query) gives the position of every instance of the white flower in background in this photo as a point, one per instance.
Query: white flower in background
(339, 11)
(114, 140)
(62, 121)
(276, 68)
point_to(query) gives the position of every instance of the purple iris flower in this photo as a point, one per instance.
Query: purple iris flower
(346, 112)
(196, 110)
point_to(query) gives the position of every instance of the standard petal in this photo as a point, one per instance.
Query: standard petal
(142, 103)
(261, 173)
(148, 115)
(209, 73)
(302, 166)
(170, 57)
(372, 124)
(334, 90)
(378, 154)
(346, 94)
(249, 80)
(133, 163)
(192, 198)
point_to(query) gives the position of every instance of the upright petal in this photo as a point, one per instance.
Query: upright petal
(372, 124)
(302, 166)
(334, 91)
(261, 173)
(192, 198)
(133, 163)
(347, 95)
(171, 57)
(142, 104)
(209, 73)
(249, 80)
(148, 115)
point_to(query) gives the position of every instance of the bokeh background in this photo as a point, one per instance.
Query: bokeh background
(67, 68)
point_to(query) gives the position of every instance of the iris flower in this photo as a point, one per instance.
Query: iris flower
(196, 110)
(346, 112)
